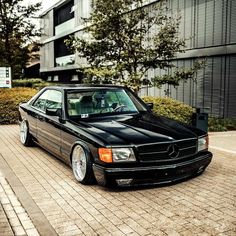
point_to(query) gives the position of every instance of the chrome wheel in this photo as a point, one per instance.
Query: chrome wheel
(23, 131)
(79, 163)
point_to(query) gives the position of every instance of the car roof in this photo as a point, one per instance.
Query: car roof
(83, 86)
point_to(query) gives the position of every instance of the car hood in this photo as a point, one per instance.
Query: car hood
(137, 129)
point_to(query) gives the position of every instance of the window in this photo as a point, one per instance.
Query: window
(64, 13)
(48, 99)
(63, 55)
(101, 101)
(54, 99)
(60, 47)
(41, 101)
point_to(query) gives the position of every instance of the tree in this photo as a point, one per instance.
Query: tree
(16, 31)
(124, 40)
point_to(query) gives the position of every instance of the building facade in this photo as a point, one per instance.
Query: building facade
(208, 25)
(58, 23)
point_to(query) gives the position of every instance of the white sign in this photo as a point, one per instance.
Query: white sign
(5, 77)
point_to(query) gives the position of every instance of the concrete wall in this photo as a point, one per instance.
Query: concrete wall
(47, 60)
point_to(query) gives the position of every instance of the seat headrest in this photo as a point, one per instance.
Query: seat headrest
(86, 99)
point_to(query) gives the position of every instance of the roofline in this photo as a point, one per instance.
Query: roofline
(57, 4)
(60, 2)
(86, 86)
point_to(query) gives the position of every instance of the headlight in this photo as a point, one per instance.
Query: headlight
(202, 143)
(123, 154)
(110, 155)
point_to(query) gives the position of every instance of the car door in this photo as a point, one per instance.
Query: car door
(49, 126)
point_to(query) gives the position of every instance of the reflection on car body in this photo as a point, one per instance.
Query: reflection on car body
(108, 135)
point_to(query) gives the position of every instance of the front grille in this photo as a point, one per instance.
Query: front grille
(159, 151)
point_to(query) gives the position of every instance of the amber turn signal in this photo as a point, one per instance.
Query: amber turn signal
(105, 155)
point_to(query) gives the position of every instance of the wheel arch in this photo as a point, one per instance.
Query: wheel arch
(29, 138)
(23, 119)
(84, 146)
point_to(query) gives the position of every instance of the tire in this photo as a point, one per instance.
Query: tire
(25, 136)
(82, 166)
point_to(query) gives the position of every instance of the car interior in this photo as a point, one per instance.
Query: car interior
(88, 105)
(96, 102)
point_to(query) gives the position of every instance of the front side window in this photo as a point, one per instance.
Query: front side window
(54, 100)
(88, 103)
(40, 102)
(48, 99)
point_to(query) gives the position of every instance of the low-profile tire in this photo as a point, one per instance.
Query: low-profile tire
(25, 136)
(82, 166)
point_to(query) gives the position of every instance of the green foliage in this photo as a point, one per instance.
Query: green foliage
(168, 107)
(121, 44)
(176, 110)
(182, 74)
(171, 108)
(30, 83)
(16, 31)
(220, 124)
(9, 102)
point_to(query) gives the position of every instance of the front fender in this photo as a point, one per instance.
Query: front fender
(85, 147)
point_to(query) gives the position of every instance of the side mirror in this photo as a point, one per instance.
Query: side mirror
(149, 105)
(54, 112)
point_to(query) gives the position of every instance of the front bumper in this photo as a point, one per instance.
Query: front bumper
(157, 174)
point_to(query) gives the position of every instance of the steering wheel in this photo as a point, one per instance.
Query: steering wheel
(120, 108)
(105, 109)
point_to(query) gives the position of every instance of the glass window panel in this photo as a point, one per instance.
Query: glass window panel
(64, 13)
(54, 99)
(102, 101)
(40, 103)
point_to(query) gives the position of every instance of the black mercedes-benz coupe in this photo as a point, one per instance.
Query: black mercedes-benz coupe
(108, 135)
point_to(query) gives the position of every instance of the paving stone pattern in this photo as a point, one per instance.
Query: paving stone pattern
(5, 228)
(205, 205)
(17, 217)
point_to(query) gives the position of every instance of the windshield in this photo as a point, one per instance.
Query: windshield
(87, 103)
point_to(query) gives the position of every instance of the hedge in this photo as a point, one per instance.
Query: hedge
(219, 124)
(11, 98)
(9, 102)
(171, 108)
(168, 107)
(30, 83)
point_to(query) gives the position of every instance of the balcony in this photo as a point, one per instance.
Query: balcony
(64, 27)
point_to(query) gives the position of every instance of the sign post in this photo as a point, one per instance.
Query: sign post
(5, 77)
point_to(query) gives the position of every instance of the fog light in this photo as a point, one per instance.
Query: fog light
(124, 181)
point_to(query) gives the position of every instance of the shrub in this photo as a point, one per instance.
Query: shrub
(220, 124)
(30, 83)
(171, 108)
(9, 102)
(168, 107)
(176, 110)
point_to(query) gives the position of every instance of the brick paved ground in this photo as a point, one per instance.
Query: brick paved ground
(14, 213)
(5, 228)
(205, 205)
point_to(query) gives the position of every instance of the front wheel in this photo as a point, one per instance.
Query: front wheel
(82, 166)
(25, 136)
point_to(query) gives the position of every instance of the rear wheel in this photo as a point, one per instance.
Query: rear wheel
(25, 136)
(82, 166)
